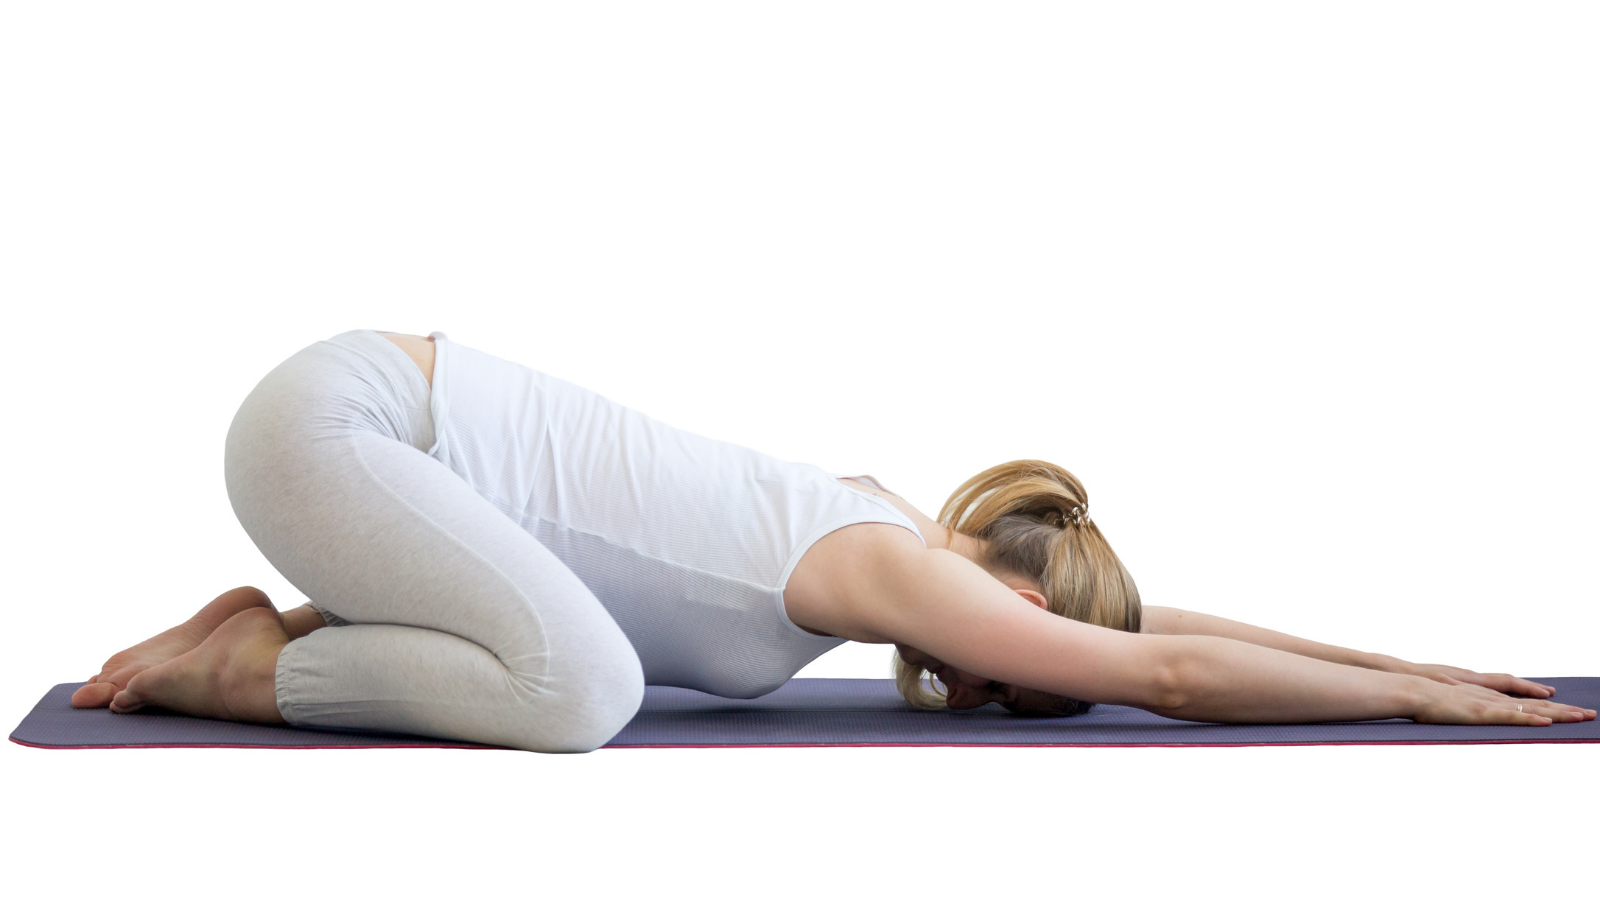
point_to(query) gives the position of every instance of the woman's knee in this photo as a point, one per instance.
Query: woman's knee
(581, 710)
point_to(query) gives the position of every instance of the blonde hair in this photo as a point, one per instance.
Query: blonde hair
(1033, 519)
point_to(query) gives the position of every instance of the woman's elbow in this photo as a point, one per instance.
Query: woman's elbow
(1168, 683)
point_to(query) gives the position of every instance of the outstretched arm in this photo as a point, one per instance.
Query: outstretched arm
(1165, 620)
(944, 605)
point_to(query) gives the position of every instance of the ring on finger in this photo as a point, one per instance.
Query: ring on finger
(1519, 707)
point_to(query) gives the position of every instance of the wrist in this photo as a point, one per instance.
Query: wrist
(1416, 693)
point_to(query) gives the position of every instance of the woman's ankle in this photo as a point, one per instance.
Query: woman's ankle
(302, 620)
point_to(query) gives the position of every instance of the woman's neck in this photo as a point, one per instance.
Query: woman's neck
(965, 545)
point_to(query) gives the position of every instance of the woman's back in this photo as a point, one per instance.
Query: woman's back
(687, 541)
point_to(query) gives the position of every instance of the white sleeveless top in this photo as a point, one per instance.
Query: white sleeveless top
(687, 541)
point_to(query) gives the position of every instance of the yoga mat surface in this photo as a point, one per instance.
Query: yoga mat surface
(811, 712)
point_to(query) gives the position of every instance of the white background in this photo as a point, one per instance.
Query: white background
(1305, 295)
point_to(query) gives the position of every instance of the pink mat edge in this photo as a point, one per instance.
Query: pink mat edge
(762, 746)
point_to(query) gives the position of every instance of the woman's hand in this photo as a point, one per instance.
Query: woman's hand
(1463, 703)
(1500, 682)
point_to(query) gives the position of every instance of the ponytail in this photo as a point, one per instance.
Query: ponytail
(1033, 520)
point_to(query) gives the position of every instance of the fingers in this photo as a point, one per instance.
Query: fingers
(1470, 704)
(1503, 713)
(1527, 688)
(1510, 684)
(1560, 712)
(1545, 712)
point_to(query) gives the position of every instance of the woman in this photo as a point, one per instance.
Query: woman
(508, 558)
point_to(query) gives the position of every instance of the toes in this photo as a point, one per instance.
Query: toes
(93, 695)
(130, 697)
(126, 701)
(100, 690)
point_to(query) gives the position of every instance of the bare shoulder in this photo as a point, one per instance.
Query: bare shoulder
(844, 575)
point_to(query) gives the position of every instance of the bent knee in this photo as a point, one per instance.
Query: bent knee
(590, 725)
(581, 712)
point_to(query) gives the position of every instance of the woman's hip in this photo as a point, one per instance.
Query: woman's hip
(292, 434)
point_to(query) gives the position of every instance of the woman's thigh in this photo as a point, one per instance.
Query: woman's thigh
(325, 473)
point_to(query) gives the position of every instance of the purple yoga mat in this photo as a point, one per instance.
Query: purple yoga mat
(811, 712)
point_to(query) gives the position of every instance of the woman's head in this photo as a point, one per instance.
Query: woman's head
(1031, 521)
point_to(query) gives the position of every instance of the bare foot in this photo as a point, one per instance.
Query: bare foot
(230, 675)
(173, 642)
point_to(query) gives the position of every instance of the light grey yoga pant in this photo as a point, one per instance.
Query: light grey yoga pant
(453, 622)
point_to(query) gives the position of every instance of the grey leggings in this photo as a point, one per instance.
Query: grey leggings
(453, 621)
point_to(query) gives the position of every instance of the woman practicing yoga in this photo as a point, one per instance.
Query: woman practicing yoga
(508, 558)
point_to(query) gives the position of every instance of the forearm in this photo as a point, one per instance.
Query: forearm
(1212, 679)
(961, 616)
(946, 607)
(1165, 620)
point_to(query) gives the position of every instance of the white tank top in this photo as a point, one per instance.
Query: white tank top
(687, 541)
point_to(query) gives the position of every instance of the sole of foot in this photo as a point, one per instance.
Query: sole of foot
(229, 676)
(170, 644)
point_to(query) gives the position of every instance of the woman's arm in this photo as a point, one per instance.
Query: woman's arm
(946, 606)
(1165, 620)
